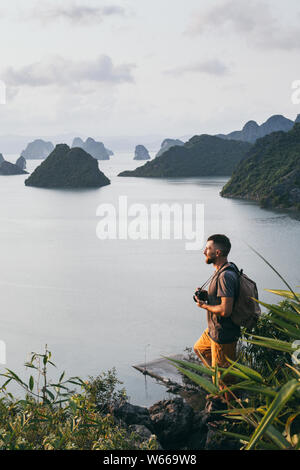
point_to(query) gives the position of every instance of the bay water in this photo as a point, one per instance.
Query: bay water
(100, 304)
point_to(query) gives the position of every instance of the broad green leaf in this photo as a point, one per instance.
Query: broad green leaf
(192, 365)
(283, 293)
(244, 439)
(272, 343)
(250, 373)
(50, 394)
(31, 383)
(248, 385)
(204, 383)
(277, 404)
(277, 437)
(216, 377)
(288, 315)
(294, 332)
(16, 377)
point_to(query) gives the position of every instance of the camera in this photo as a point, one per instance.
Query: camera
(200, 294)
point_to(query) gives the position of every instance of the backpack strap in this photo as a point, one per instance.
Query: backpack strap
(234, 268)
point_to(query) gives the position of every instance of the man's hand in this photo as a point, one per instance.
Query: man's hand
(201, 304)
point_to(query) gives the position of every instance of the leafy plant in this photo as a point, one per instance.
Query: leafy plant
(54, 416)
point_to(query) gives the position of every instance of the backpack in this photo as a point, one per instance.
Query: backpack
(246, 311)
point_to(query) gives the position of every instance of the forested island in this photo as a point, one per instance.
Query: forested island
(203, 155)
(270, 175)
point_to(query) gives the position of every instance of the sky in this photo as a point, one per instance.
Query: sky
(139, 67)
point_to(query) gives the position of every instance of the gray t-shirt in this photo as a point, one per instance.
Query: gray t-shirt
(222, 329)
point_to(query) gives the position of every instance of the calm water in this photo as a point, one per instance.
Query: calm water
(100, 304)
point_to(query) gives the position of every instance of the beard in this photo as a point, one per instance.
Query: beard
(210, 260)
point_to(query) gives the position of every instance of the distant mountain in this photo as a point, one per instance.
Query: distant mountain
(168, 143)
(68, 168)
(94, 148)
(38, 149)
(270, 174)
(1, 158)
(252, 131)
(141, 153)
(7, 168)
(203, 155)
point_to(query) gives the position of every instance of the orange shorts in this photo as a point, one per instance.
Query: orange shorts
(214, 353)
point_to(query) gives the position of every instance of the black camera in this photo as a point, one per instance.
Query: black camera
(201, 295)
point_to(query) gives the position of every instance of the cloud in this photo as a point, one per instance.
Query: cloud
(75, 13)
(210, 67)
(254, 20)
(58, 71)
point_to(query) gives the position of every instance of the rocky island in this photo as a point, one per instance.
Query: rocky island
(21, 163)
(7, 168)
(68, 168)
(94, 148)
(270, 175)
(38, 149)
(141, 153)
(203, 155)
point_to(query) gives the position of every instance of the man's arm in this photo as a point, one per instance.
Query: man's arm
(224, 309)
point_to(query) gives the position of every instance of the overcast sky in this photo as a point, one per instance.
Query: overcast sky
(139, 67)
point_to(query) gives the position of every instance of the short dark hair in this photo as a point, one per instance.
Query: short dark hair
(223, 243)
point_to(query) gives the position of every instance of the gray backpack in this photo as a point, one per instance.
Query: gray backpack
(246, 311)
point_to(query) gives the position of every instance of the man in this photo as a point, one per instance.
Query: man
(220, 338)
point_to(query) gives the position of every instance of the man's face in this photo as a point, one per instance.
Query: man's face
(211, 252)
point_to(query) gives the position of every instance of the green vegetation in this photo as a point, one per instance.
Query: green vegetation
(264, 412)
(270, 174)
(54, 417)
(203, 155)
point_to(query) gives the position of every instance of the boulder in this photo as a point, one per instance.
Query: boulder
(172, 421)
(133, 414)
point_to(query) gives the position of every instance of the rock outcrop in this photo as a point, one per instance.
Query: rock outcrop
(141, 153)
(68, 168)
(176, 425)
(38, 149)
(21, 163)
(167, 144)
(94, 148)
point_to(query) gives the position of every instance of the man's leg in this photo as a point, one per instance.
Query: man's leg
(219, 354)
(202, 348)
